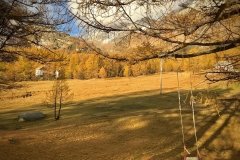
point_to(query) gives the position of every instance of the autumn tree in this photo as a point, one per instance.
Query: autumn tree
(59, 94)
(102, 73)
(92, 66)
(127, 71)
(22, 23)
(210, 26)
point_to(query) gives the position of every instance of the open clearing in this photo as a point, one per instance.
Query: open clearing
(119, 119)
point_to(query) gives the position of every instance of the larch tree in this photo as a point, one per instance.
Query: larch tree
(209, 25)
(102, 73)
(127, 71)
(22, 23)
(58, 96)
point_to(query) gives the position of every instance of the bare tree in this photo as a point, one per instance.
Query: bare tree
(212, 25)
(59, 94)
(209, 25)
(21, 25)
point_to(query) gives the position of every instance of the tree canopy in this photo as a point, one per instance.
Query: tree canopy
(209, 25)
(22, 23)
(212, 25)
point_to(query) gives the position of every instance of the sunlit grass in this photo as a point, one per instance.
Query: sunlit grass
(124, 118)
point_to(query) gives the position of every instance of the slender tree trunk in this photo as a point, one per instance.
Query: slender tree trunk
(161, 70)
(55, 111)
(60, 105)
(55, 103)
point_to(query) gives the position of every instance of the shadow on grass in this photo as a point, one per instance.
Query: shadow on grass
(138, 124)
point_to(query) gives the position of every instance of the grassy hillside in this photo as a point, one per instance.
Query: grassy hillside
(120, 118)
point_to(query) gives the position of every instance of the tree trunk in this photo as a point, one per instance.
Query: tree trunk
(60, 105)
(55, 104)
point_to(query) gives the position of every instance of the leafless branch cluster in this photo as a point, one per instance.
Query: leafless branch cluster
(210, 25)
(22, 23)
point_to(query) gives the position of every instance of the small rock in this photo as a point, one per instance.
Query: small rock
(30, 116)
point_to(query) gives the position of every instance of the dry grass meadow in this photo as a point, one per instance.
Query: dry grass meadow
(119, 119)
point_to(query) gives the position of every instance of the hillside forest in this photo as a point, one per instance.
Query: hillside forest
(88, 65)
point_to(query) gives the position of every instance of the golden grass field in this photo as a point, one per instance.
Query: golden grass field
(119, 119)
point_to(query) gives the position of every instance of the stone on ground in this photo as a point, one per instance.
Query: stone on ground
(30, 116)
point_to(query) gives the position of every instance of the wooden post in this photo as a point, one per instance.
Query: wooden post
(161, 69)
